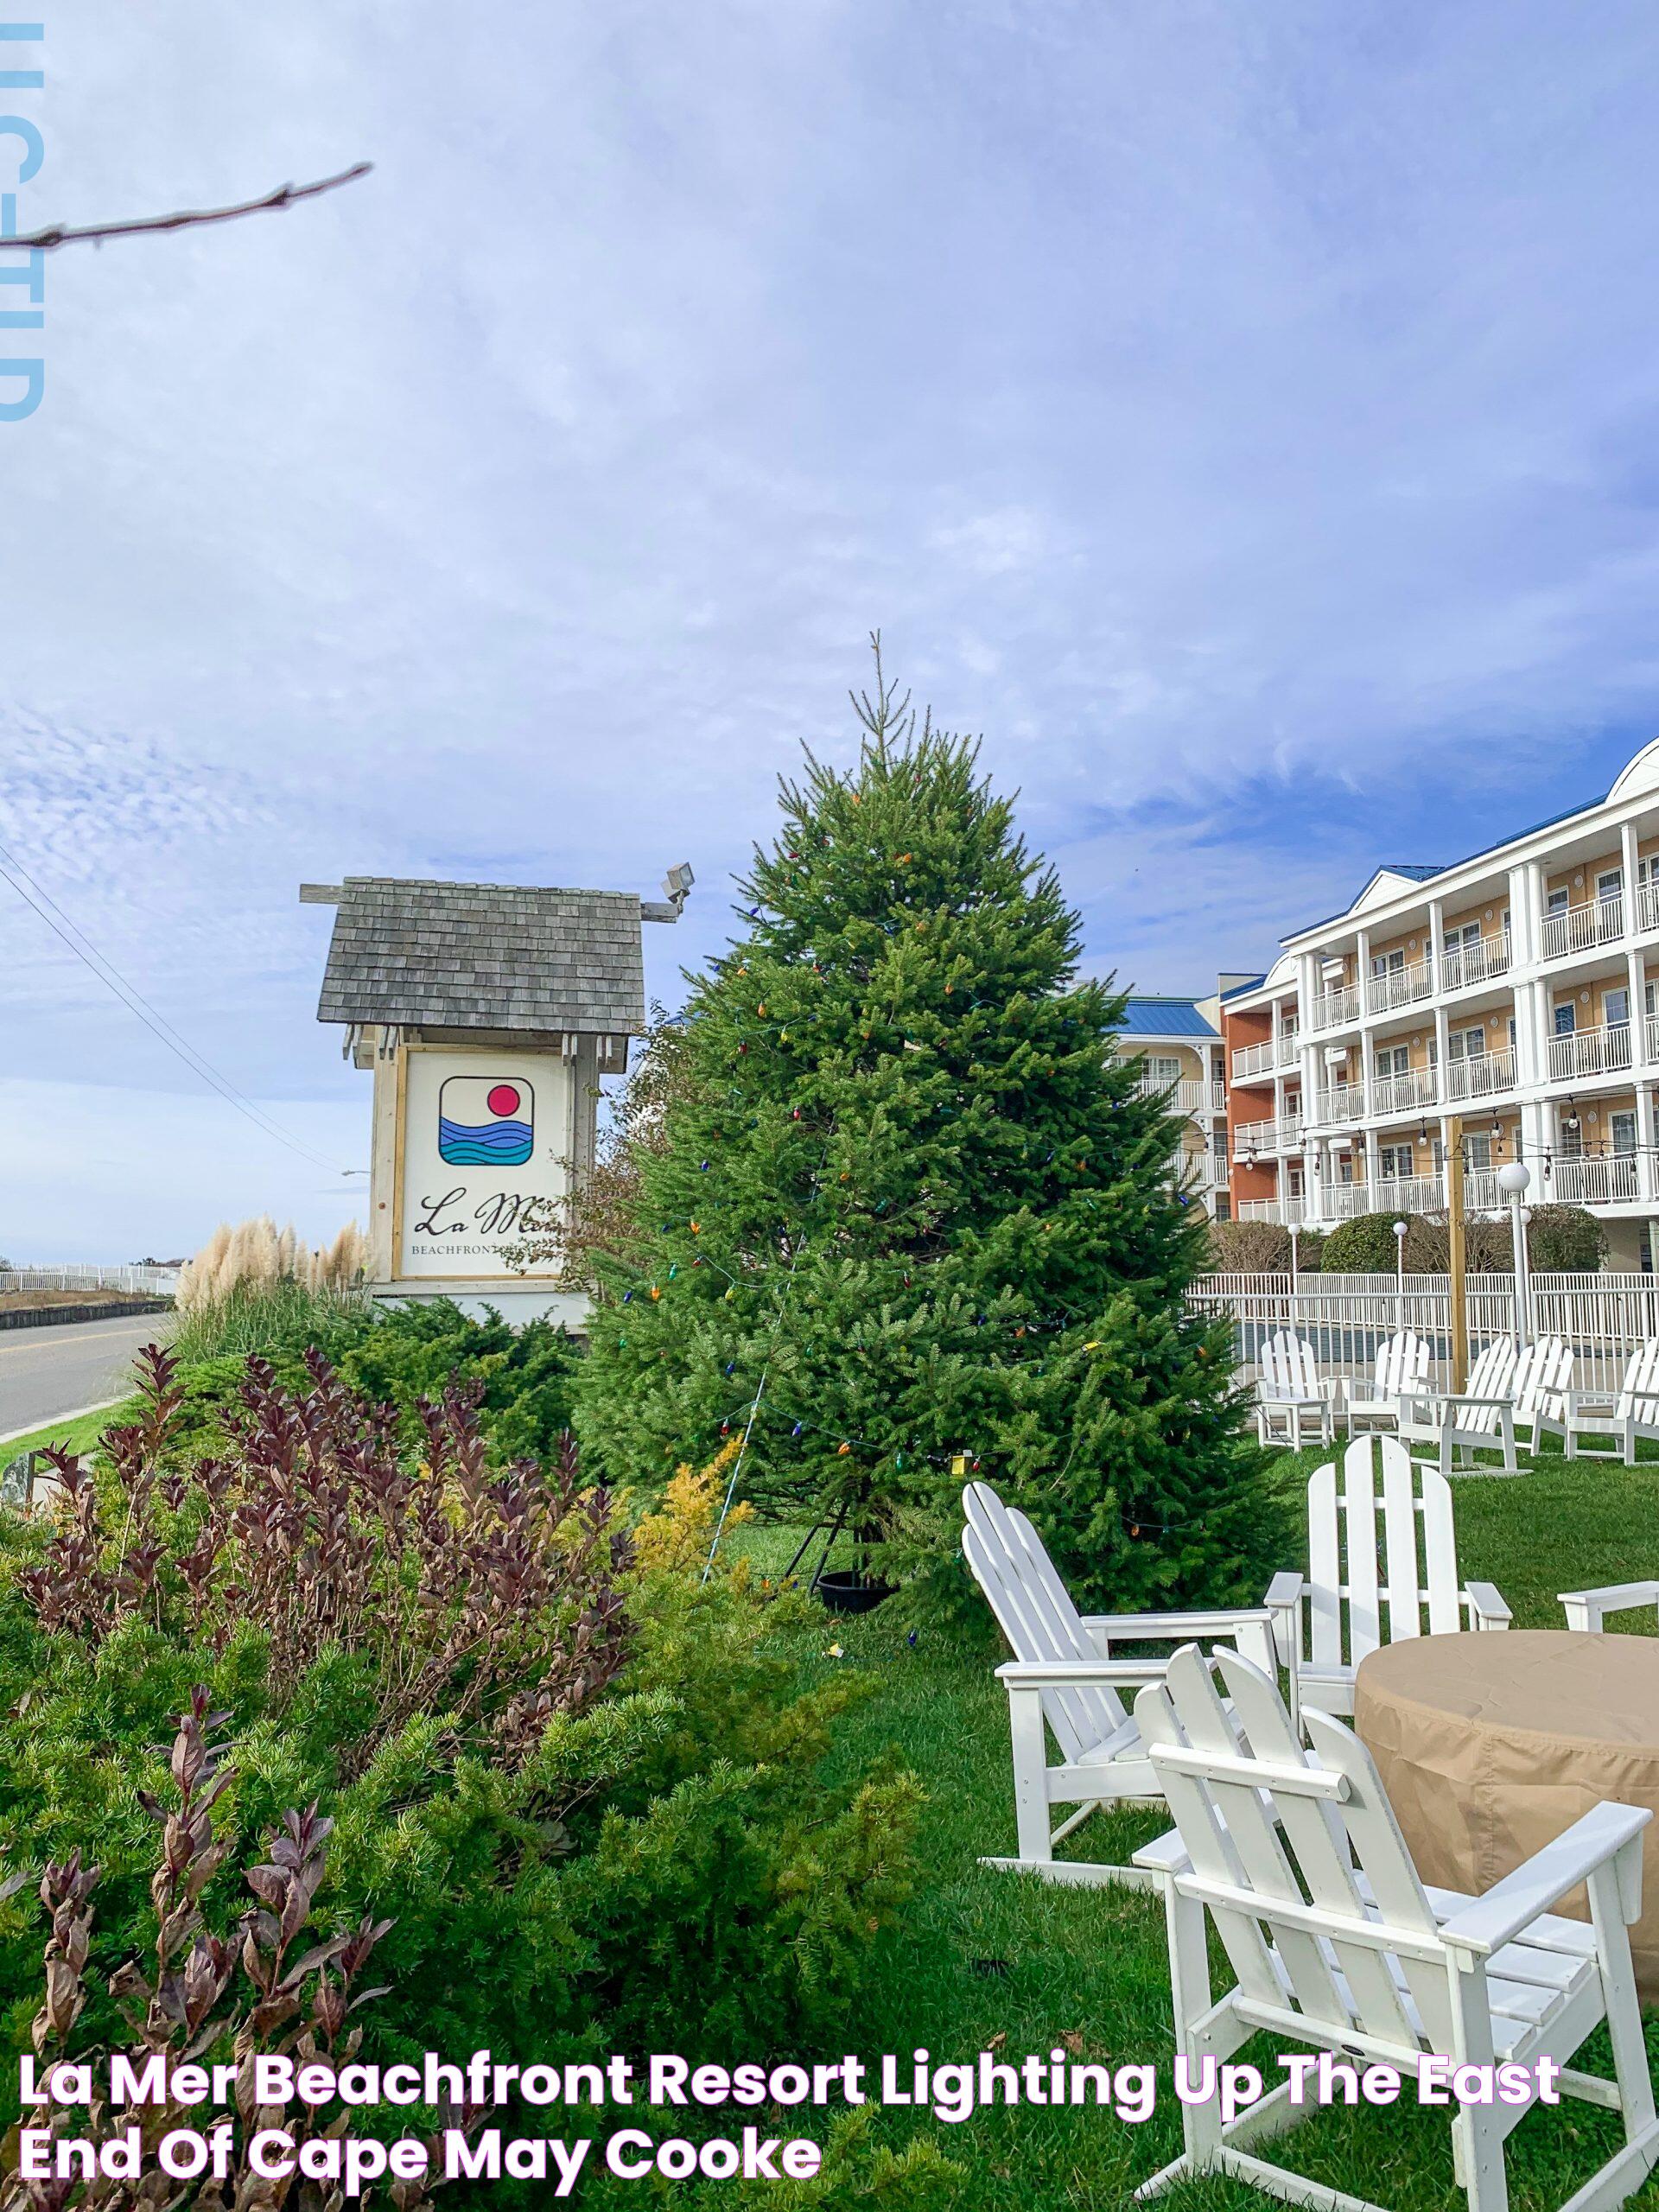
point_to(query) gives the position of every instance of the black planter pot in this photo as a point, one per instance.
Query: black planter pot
(848, 1591)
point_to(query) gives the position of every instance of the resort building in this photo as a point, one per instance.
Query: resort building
(1518, 989)
(1179, 1044)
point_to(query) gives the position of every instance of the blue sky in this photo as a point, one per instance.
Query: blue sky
(1245, 417)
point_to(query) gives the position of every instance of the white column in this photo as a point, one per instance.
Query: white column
(1362, 971)
(1647, 1178)
(1534, 910)
(1442, 1059)
(1627, 860)
(1520, 896)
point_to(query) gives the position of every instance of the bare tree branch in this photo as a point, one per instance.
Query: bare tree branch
(284, 196)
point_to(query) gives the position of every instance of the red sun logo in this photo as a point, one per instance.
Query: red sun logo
(502, 1099)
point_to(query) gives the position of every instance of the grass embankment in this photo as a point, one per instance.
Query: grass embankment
(994, 1962)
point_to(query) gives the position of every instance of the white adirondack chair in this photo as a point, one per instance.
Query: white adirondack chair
(1481, 1418)
(1585, 1609)
(1402, 1371)
(1293, 1400)
(1335, 1943)
(1372, 1544)
(1063, 1677)
(1630, 1416)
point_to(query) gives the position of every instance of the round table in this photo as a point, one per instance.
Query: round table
(1490, 1744)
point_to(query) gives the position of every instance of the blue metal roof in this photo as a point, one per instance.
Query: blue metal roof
(1165, 1018)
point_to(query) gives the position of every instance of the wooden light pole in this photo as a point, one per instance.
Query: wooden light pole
(1455, 1252)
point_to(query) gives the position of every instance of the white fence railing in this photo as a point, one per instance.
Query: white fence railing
(1387, 988)
(1580, 929)
(1604, 1317)
(161, 1281)
(1590, 1052)
(1474, 963)
(1480, 1075)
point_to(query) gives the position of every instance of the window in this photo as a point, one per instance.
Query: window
(1345, 1167)
(1623, 1126)
(1163, 1068)
(1388, 963)
(1610, 883)
(1394, 1059)
(1394, 1162)
(1571, 1136)
(1616, 1008)
(1559, 901)
(1651, 998)
(1467, 934)
(1467, 1044)
(1477, 1152)
(1567, 1019)
(1294, 1182)
(1511, 1033)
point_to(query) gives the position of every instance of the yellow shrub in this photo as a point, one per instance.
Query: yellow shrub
(678, 1536)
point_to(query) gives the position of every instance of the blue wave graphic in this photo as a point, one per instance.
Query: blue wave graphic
(496, 1144)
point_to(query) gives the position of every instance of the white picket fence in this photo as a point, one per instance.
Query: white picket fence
(1603, 1317)
(74, 1276)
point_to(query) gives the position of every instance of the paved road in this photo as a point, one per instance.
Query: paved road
(47, 1372)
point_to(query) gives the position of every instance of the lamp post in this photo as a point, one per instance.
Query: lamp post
(1513, 1178)
(1399, 1266)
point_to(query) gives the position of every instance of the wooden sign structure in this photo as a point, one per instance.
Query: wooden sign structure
(487, 1014)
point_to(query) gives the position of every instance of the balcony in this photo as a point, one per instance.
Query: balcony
(1287, 1210)
(1342, 1102)
(1595, 1182)
(1647, 905)
(1481, 1075)
(1406, 1194)
(1582, 928)
(1653, 1036)
(1283, 1135)
(1590, 1052)
(1403, 1094)
(1253, 1060)
(1336, 1009)
(1186, 1097)
(1462, 965)
(1401, 986)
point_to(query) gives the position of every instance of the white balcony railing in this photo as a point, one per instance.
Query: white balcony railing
(1286, 1210)
(1590, 1052)
(1653, 1036)
(1403, 1093)
(1283, 1133)
(1481, 1075)
(1342, 1101)
(1406, 1194)
(1252, 1060)
(1289, 1051)
(1647, 905)
(1402, 986)
(1186, 1097)
(1218, 1095)
(1334, 1009)
(1461, 964)
(1595, 1182)
(1581, 928)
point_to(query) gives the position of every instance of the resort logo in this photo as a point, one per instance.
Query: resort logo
(484, 1121)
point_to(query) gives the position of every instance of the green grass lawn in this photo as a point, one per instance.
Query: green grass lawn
(79, 1435)
(993, 1961)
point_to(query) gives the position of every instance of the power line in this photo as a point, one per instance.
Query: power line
(159, 1027)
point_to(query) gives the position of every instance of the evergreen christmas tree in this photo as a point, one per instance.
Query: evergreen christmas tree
(907, 1208)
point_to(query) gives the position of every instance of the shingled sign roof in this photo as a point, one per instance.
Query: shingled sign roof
(485, 955)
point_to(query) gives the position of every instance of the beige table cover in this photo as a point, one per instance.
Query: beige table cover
(1490, 1744)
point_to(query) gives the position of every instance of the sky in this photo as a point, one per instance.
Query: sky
(1246, 419)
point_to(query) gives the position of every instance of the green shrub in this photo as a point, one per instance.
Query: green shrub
(275, 1318)
(581, 1783)
(1565, 1239)
(1363, 1246)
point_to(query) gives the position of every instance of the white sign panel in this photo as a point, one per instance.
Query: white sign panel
(485, 1136)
